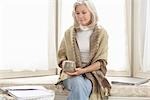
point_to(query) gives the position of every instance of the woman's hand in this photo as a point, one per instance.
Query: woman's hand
(78, 71)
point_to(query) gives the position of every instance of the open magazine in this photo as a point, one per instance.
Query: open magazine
(128, 80)
(30, 92)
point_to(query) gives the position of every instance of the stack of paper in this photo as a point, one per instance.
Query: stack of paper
(30, 93)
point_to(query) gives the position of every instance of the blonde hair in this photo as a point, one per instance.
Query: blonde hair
(91, 7)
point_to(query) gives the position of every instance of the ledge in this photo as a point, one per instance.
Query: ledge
(49, 81)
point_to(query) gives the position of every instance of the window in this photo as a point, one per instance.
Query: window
(113, 17)
(31, 31)
(27, 39)
(141, 43)
(127, 23)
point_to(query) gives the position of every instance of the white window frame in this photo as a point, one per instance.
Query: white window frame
(136, 26)
(52, 69)
(129, 32)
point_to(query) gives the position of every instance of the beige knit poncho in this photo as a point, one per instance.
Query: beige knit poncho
(98, 52)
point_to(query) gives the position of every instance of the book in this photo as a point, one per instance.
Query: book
(30, 93)
(128, 80)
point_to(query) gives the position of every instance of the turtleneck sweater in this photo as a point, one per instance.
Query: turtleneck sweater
(83, 40)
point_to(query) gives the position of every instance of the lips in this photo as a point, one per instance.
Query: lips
(82, 20)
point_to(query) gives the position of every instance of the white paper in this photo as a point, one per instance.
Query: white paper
(40, 93)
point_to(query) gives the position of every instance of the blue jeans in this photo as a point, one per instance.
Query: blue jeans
(79, 88)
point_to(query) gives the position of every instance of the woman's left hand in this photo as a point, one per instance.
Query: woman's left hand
(78, 71)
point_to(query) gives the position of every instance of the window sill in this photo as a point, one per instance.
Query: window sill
(49, 81)
(131, 91)
(43, 80)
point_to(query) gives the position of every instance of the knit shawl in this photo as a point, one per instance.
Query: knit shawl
(69, 50)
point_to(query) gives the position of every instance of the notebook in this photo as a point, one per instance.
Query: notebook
(128, 80)
(30, 93)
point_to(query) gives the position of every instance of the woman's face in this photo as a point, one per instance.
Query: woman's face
(83, 15)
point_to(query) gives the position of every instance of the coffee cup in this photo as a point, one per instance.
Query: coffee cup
(69, 66)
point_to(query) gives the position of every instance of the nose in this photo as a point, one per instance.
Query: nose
(80, 16)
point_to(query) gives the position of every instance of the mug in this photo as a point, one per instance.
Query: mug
(69, 66)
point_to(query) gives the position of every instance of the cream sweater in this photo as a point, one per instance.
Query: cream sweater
(83, 39)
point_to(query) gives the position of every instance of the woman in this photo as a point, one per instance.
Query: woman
(86, 44)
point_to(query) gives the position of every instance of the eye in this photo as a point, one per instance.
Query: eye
(77, 13)
(84, 12)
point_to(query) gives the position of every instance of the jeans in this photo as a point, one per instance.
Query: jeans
(79, 88)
